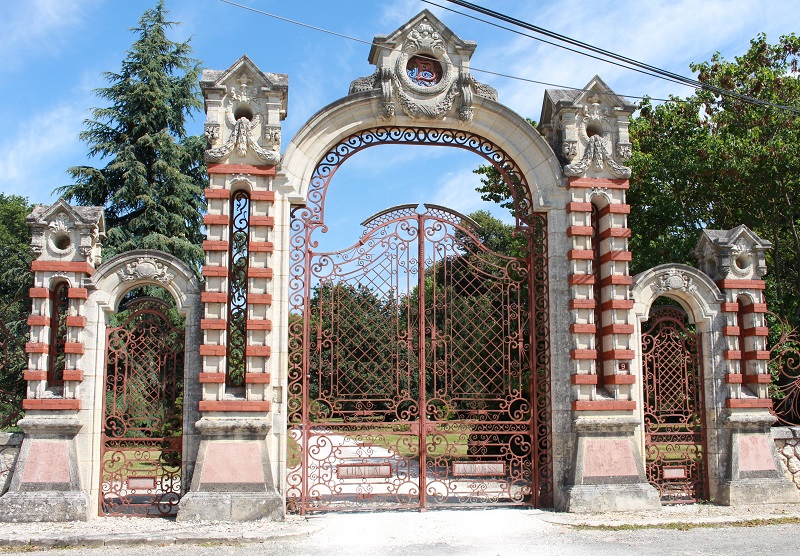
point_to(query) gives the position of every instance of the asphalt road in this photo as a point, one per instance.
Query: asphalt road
(500, 532)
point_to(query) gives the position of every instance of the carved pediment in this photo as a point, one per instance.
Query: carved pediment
(736, 253)
(244, 108)
(588, 129)
(423, 68)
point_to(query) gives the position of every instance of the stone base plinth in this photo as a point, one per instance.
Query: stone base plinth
(612, 498)
(750, 492)
(230, 506)
(44, 505)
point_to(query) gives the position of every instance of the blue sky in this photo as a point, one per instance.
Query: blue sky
(53, 52)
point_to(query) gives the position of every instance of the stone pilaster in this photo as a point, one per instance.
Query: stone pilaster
(735, 260)
(235, 474)
(588, 129)
(46, 485)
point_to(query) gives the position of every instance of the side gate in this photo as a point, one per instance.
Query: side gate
(142, 415)
(675, 436)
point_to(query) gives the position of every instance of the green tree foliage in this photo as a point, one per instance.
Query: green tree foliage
(15, 279)
(152, 184)
(712, 161)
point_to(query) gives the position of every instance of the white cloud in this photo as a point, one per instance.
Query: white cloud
(33, 27)
(35, 157)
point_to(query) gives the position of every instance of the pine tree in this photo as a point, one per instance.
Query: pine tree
(152, 184)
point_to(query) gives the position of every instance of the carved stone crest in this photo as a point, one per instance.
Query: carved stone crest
(145, 268)
(672, 280)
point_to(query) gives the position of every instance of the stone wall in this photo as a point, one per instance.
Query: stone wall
(9, 450)
(787, 444)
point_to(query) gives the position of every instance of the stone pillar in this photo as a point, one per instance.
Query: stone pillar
(589, 131)
(47, 485)
(735, 260)
(242, 435)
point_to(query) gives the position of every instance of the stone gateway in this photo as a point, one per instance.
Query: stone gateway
(417, 368)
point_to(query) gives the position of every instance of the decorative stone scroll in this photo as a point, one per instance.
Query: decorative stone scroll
(672, 280)
(145, 268)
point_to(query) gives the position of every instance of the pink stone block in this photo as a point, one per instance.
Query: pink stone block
(754, 454)
(608, 458)
(47, 462)
(232, 462)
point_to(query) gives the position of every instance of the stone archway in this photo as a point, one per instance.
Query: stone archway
(430, 116)
(146, 473)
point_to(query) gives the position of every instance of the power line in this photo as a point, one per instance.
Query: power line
(616, 59)
(474, 69)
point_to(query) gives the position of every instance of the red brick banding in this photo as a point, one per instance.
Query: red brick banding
(216, 220)
(625, 256)
(578, 181)
(252, 169)
(733, 378)
(260, 247)
(39, 293)
(756, 331)
(215, 245)
(749, 403)
(36, 347)
(213, 324)
(77, 293)
(215, 271)
(604, 405)
(613, 209)
(575, 206)
(731, 330)
(741, 284)
(217, 193)
(78, 322)
(579, 231)
(617, 304)
(244, 406)
(262, 195)
(73, 347)
(211, 378)
(582, 303)
(262, 221)
(74, 375)
(259, 272)
(619, 354)
(758, 379)
(213, 350)
(580, 254)
(616, 280)
(34, 375)
(583, 379)
(257, 351)
(51, 404)
(732, 355)
(257, 378)
(259, 324)
(620, 379)
(57, 266)
(214, 297)
(585, 354)
(581, 279)
(758, 355)
(615, 232)
(582, 328)
(751, 308)
(618, 329)
(259, 299)
(38, 320)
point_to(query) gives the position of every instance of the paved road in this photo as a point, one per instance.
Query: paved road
(500, 532)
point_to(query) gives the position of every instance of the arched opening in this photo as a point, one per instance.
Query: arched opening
(390, 347)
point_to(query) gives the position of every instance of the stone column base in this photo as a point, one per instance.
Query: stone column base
(45, 505)
(230, 506)
(232, 479)
(612, 498)
(609, 472)
(752, 492)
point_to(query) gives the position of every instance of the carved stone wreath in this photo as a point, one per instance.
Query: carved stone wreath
(145, 268)
(672, 280)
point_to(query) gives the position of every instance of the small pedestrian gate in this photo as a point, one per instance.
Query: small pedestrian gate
(143, 413)
(413, 381)
(675, 452)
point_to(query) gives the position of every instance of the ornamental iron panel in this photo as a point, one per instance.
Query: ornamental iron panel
(238, 264)
(141, 451)
(675, 437)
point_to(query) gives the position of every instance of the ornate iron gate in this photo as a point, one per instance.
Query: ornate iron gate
(675, 449)
(417, 376)
(143, 413)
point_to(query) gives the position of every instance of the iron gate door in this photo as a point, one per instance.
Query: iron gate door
(675, 453)
(143, 413)
(417, 387)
